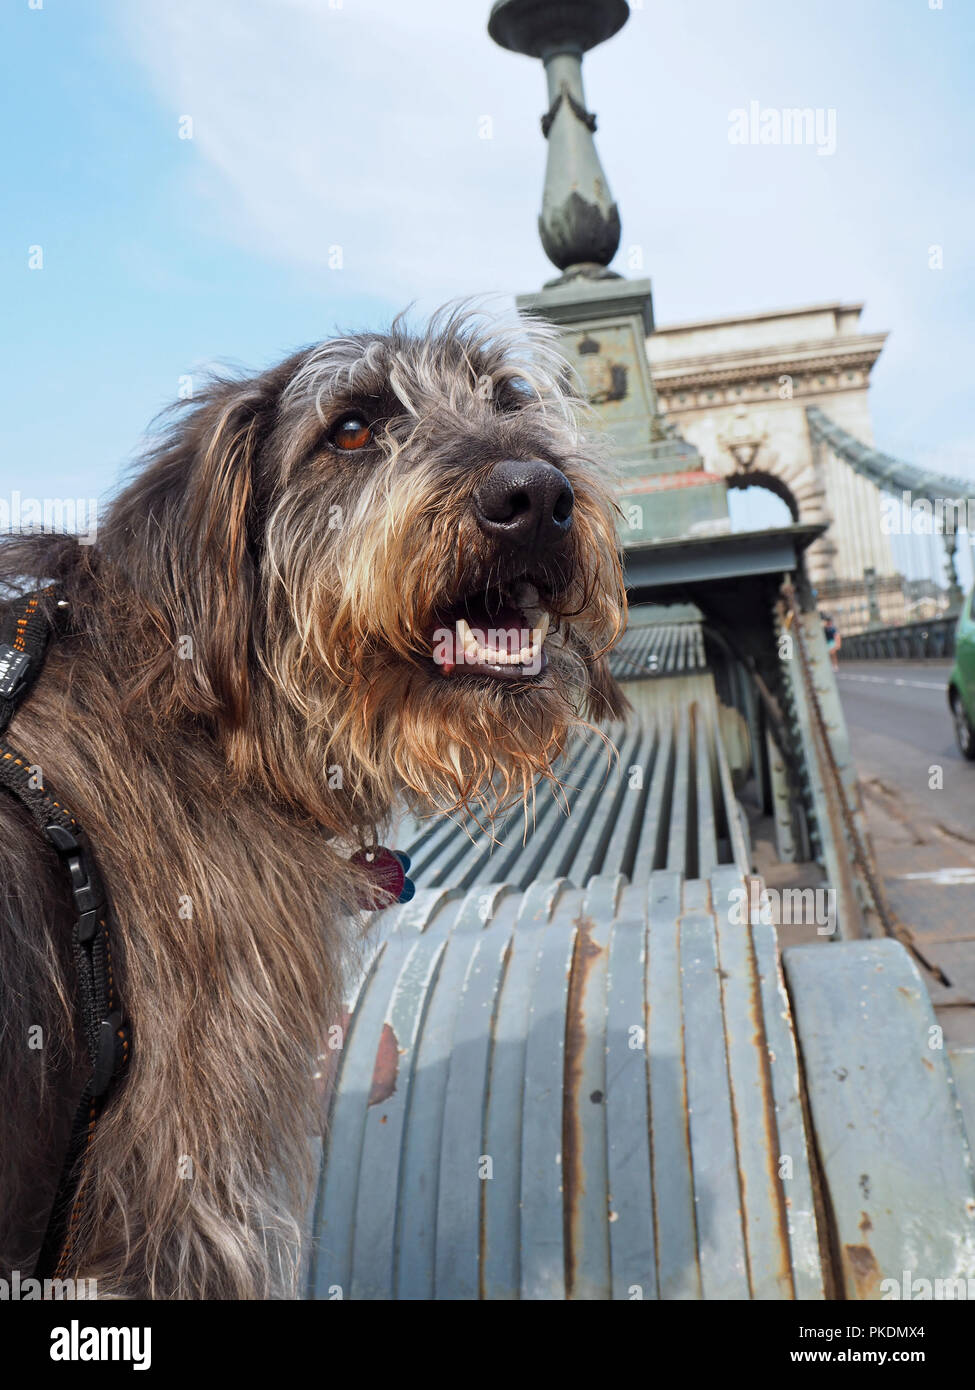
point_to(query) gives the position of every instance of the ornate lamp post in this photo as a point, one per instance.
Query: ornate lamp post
(604, 318)
(873, 607)
(579, 223)
(955, 596)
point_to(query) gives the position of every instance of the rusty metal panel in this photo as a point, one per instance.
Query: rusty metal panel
(717, 1197)
(377, 1204)
(628, 1157)
(501, 1195)
(461, 1167)
(753, 1107)
(419, 1167)
(673, 1179)
(366, 1043)
(584, 1153)
(792, 1147)
(542, 1217)
(560, 1094)
(896, 1164)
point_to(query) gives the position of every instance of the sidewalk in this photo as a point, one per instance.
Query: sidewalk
(928, 869)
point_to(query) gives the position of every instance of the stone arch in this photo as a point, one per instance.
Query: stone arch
(798, 479)
(746, 478)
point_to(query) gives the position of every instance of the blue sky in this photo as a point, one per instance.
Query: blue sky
(319, 124)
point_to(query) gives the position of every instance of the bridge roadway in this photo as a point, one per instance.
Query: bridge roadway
(919, 795)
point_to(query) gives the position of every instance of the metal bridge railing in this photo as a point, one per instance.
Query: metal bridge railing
(907, 641)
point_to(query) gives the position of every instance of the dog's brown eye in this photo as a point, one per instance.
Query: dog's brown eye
(351, 433)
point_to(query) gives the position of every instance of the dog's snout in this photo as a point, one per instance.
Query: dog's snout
(525, 504)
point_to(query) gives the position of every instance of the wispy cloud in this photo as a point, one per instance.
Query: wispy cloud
(357, 127)
(320, 124)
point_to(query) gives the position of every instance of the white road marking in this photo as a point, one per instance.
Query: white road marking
(947, 878)
(886, 680)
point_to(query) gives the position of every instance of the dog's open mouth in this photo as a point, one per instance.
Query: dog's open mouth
(500, 634)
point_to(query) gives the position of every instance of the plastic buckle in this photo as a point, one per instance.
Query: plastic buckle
(14, 671)
(88, 893)
(106, 1056)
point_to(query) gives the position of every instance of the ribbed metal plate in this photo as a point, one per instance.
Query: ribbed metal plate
(658, 649)
(567, 1093)
(665, 802)
(888, 1129)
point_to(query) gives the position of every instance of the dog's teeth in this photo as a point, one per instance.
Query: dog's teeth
(466, 640)
(477, 653)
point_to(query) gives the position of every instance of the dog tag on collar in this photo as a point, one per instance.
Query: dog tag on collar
(387, 869)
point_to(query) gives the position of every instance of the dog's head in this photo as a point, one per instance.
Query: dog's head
(398, 549)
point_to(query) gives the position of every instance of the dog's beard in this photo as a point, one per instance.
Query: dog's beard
(427, 661)
(472, 733)
(468, 741)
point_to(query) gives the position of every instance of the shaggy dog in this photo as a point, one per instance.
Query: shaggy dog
(383, 572)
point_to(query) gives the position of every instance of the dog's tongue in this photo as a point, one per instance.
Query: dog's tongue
(500, 628)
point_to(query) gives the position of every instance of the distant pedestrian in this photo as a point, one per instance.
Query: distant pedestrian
(833, 639)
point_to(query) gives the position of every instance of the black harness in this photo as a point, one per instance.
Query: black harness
(24, 633)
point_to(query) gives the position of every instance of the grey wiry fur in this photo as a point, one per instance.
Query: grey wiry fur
(256, 614)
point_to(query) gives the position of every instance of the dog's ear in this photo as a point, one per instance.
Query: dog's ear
(606, 698)
(212, 551)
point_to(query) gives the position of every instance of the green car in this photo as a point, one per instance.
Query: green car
(961, 682)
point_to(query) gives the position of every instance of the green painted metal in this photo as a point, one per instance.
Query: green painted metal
(962, 1060)
(889, 1133)
(504, 1117)
(579, 224)
(565, 1093)
(794, 1162)
(711, 559)
(717, 1194)
(823, 798)
(651, 650)
(666, 801)
(678, 1271)
(931, 640)
(781, 802)
(889, 474)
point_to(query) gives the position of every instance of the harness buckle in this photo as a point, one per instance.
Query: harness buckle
(86, 886)
(109, 1054)
(14, 671)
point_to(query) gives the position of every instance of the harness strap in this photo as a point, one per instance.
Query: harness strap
(24, 635)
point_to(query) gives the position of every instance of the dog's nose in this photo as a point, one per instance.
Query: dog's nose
(525, 504)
